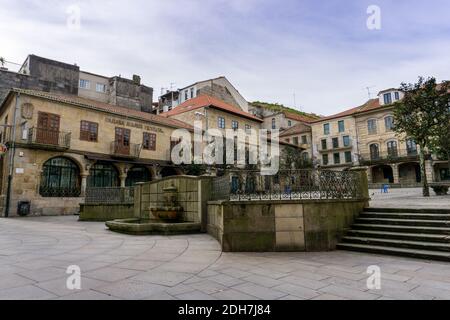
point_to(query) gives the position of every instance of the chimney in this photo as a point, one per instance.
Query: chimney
(137, 79)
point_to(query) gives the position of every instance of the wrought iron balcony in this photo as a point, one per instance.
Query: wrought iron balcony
(132, 150)
(380, 159)
(50, 139)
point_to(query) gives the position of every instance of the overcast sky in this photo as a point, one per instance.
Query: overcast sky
(322, 51)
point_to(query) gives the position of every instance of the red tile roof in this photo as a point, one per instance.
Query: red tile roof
(368, 106)
(298, 117)
(298, 128)
(97, 105)
(207, 101)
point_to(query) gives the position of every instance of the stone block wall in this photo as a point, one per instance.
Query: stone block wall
(106, 212)
(294, 225)
(192, 194)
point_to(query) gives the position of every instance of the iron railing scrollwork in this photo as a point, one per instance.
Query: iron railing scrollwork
(59, 192)
(44, 136)
(111, 195)
(245, 185)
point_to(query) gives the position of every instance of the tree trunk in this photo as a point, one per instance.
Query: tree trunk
(423, 173)
(448, 158)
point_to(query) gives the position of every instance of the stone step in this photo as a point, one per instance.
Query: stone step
(407, 210)
(414, 253)
(421, 245)
(400, 228)
(405, 222)
(400, 236)
(400, 215)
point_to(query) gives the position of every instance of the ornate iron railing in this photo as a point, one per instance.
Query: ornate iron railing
(247, 185)
(380, 159)
(44, 136)
(59, 192)
(132, 150)
(109, 195)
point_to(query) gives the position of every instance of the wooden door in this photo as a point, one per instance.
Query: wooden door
(47, 131)
(122, 142)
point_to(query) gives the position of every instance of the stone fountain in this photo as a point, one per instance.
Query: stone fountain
(170, 211)
(166, 219)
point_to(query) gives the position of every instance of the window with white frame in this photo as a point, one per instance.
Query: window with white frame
(100, 87)
(85, 84)
(221, 122)
(372, 126)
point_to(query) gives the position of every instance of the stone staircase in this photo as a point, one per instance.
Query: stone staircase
(418, 233)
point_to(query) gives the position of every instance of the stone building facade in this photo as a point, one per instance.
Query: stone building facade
(38, 73)
(334, 144)
(65, 143)
(300, 135)
(372, 142)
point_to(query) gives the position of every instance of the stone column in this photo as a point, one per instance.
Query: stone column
(363, 182)
(83, 184)
(369, 175)
(123, 177)
(156, 172)
(395, 173)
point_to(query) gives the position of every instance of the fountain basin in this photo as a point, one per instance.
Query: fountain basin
(167, 213)
(136, 226)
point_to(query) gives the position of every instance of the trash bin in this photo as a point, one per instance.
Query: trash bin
(23, 208)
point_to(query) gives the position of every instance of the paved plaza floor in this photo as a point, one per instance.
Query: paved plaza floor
(35, 254)
(408, 198)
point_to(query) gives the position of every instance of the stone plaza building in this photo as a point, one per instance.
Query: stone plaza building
(66, 143)
(365, 136)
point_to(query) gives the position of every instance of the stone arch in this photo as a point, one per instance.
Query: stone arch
(103, 174)
(168, 171)
(137, 173)
(382, 174)
(409, 173)
(60, 177)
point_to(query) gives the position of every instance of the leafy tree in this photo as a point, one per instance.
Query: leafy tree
(291, 159)
(440, 143)
(420, 116)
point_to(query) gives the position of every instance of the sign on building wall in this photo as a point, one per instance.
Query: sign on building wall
(133, 124)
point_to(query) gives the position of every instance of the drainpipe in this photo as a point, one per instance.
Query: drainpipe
(11, 158)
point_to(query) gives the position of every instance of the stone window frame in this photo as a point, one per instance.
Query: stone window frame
(326, 128)
(372, 129)
(149, 141)
(390, 116)
(392, 152)
(86, 134)
(221, 122)
(344, 138)
(341, 128)
(335, 142)
(234, 124)
(304, 139)
(339, 158)
(373, 155)
(348, 159)
(325, 159)
(411, 151)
